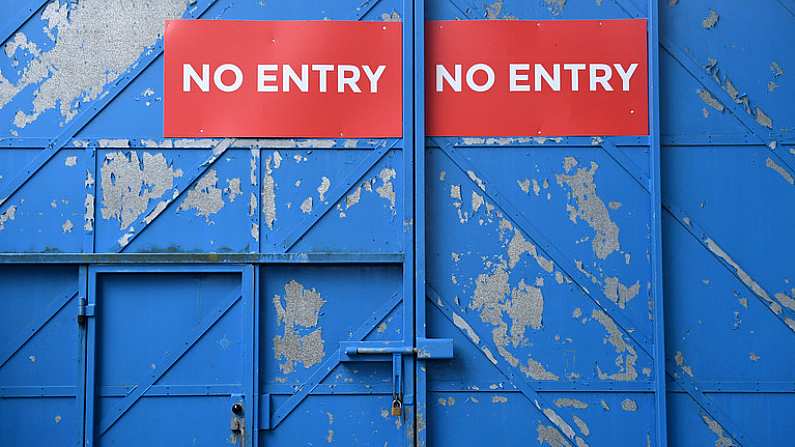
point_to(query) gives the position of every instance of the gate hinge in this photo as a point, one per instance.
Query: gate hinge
(84, 310)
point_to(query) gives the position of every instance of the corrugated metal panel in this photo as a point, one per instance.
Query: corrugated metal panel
(149, 285)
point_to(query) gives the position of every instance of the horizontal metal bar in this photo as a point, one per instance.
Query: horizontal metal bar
(201, 258)
(744, 139)
(370, 351)
(172, 390)
(708, 386)
(597, 386)
(333, 388)
(462, 143)
(352, 350)
(10, 392)
(734, 139)
(204, 143)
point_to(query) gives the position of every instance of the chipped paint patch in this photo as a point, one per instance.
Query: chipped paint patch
(205, 197)
(489, 355)
(88, 217)
(323, 188)
(786, 301)
(306, 205)
(255, 231)
(302, 341)
(233, 188)
(70, 161)
(472, 176)
(394, 16)
(386, 190)
(619, 293)
(128, 184)
(679, 358)
(269, 193)
(555, 7)
(565, 402)
(723, 439)
(91, 49)
(455, 192)
(537, 371)
(710, 100)
(776, 69)
(744, 276)
(462, 324)
(449, 402)
(67, 226)
(519, 246)
(559, 422)
(124, 240)
(494, 9)
(591, 208)
(627, 356)
(629, 405)
(550, 436)
(252, 204)
(353, 198)
(762, 118)
(477, 202)
(524, 185)
(581, 425)
(499, 399)
(8, 215)
(117, 143)
(489, 296)
(780, 170)
(711, 20)
(526, 309)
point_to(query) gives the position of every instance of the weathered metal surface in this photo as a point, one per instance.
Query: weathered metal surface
(158, 282)
(150, 284)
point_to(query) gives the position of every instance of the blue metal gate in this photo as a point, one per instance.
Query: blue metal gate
(217, 291)
(541, 265)
(204, 291)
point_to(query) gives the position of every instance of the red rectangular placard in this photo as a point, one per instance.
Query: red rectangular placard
(561, 77)
(230, 78)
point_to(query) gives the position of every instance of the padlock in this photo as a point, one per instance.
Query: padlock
(397, 407)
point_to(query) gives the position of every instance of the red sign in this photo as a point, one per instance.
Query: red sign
(343, 79)
(510, 78)
(282, 79)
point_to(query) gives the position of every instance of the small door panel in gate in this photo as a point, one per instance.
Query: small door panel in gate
(39, 356)
(310, 393)
(170, 355)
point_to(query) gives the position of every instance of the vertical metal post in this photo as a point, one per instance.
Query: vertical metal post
(255, 398)
(656, 222)
(248, 314)
(90, 370)
(409, 188)
(81, 393)
(419, 211)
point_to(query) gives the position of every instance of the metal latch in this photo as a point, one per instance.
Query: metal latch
(84, 310)
(380, 351)
(237, 424)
